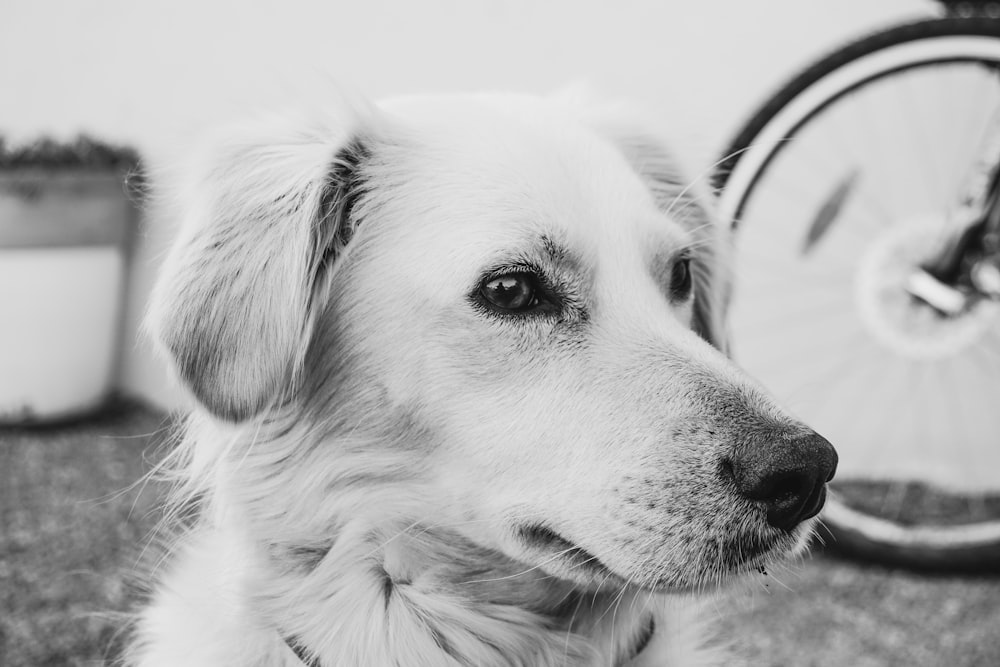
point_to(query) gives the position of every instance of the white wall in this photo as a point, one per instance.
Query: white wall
(156, 73)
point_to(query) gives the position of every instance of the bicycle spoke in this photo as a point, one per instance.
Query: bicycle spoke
(785, 187)
(980, 423)
(845, 137)
(923, 154)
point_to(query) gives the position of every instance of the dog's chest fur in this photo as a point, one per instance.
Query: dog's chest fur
(223, 604)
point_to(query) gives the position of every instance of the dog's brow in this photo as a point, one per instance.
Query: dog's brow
(555, 251)
(558, 254)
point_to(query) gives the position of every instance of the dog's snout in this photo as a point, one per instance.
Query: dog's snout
(788, 476)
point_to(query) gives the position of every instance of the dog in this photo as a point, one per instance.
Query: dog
(463, 397)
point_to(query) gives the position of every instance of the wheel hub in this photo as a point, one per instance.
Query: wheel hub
(892, 315)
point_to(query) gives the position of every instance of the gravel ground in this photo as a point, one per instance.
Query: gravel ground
(832, 612)
(73, 522)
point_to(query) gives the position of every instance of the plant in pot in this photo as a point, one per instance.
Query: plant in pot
(67, 212)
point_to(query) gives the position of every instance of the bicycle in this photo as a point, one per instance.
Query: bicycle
(865, 196)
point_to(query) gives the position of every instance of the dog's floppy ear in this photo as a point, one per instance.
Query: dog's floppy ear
(682, 198)
(263, 214)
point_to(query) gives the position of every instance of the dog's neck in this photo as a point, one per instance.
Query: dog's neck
(428, 597)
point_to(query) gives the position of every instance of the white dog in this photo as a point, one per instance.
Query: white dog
(463, 398)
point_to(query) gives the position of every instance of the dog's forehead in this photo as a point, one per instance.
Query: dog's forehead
(517, 139)
(518, 166)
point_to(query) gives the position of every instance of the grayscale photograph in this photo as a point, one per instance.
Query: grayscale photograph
(500, 333)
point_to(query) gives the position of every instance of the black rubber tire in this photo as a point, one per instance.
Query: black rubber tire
(929, 28)
(970, 548)
(845, 530)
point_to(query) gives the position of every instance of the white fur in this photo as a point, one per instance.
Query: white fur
(377, 458)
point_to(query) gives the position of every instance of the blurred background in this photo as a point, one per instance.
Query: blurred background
(143, 80)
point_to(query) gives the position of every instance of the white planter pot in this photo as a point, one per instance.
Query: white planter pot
(62, 267)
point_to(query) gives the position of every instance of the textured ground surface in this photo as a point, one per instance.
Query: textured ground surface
(73, 522)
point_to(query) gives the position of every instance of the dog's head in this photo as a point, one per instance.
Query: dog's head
(523, 300)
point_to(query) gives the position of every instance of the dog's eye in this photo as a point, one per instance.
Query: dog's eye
(512, 291)
(680, 279)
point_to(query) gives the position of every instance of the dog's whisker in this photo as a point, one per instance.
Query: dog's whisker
(569, 628)
(389, 540)
(555, 556)
(710, 170)
(426, 527)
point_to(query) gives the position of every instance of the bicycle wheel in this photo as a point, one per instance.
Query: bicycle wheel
(838, 188)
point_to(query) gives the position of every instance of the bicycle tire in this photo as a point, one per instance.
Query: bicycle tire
(744, 161)
(744, 138)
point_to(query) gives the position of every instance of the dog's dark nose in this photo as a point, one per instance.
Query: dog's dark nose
(787, 475)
